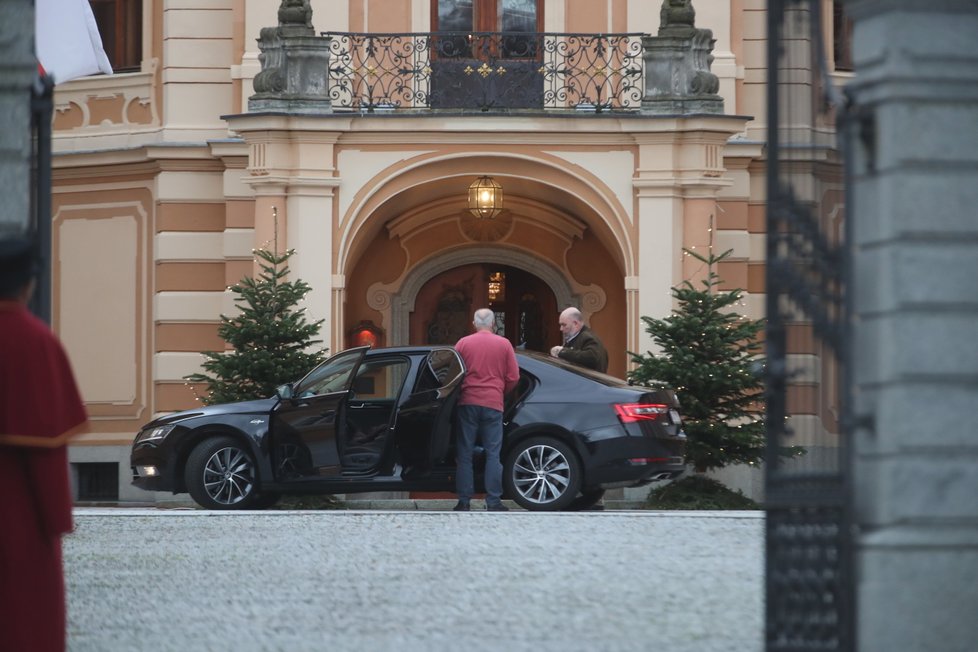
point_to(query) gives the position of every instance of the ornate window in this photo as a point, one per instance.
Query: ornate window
(120, 24)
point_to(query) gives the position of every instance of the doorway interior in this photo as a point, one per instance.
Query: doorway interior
(525, 306)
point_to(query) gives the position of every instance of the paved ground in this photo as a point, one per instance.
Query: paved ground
(188, 580)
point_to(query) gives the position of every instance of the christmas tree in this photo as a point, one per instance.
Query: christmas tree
(270, 337)
(709, 356)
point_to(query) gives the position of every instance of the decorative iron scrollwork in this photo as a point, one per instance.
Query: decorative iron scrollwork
(486, 70)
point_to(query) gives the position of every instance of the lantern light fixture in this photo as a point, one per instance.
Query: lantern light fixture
(485, 197)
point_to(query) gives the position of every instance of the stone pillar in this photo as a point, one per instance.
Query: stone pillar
(677, 64)
(294, 181)
(17, 71)
(294, 73)
(679, 177)
(915, 348)
(310, 233)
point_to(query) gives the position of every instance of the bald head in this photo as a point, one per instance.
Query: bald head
(484, 319)
(571, 321)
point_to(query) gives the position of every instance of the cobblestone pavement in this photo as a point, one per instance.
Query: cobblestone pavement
(189, 580)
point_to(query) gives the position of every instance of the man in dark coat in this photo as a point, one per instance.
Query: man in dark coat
(40, 410)
(581, 346)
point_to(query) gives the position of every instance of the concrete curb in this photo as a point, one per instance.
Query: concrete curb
(181, 501)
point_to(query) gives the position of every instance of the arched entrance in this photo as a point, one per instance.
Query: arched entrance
(563, 249)
(396, 301)
(525, 306)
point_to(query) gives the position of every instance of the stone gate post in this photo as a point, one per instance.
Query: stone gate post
(915, 351)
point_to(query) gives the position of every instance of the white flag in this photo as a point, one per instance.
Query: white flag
(67, 40)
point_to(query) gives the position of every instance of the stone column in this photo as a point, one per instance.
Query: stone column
(312, 224)
(17, 71)
(294, 181)
(679, 177)
(915, 350)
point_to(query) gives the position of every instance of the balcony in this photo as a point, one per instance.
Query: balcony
(485, 72)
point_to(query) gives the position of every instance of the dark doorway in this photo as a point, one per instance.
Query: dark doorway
(525, 306)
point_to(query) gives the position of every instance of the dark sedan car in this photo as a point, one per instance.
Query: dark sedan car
(382, 420)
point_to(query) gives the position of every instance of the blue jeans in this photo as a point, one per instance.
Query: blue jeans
(485, 424)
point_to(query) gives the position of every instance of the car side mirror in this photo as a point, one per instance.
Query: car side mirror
(284, 392)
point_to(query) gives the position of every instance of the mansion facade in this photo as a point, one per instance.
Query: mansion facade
(620, 133)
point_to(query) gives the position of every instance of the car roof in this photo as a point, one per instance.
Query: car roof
(531, 361)
(537, 356)
(421, 348)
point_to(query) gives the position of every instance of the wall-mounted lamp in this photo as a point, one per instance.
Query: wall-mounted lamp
(485, 197)
(366, 334)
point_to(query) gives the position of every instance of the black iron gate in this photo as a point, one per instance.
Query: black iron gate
(42, 110)
(809, 568)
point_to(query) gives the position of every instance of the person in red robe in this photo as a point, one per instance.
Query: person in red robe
(40, 410)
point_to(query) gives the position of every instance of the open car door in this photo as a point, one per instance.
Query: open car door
(310, 419)
(371, 414)
(426, 417)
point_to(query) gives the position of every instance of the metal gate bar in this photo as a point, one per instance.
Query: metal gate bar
(42, 110)
(809, 573)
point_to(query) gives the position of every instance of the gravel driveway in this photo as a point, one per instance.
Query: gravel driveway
(375, 581)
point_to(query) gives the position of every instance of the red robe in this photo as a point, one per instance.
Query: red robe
(40, 409)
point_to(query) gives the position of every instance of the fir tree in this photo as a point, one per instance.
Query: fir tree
(270, 337)
(709, 356)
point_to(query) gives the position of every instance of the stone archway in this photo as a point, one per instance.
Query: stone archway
(400, 302)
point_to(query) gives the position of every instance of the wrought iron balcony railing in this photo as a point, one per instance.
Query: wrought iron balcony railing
(487, 71)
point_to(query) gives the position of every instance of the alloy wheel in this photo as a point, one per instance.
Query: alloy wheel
(229, 476)
(541, 474)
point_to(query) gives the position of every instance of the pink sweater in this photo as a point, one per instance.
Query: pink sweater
(491, 369)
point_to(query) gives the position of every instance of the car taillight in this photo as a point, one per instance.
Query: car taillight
(629, 412)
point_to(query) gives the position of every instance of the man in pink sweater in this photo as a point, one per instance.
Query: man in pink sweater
(491, 372)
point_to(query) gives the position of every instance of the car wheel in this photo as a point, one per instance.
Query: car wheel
(542, 474)
(586, 500)
(221, 474)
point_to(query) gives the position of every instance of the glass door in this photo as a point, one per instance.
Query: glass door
(486, 54)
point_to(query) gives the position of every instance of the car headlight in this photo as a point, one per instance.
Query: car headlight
(154, 434)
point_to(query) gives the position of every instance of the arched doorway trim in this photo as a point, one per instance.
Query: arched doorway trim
(604, 211)
(397, 302)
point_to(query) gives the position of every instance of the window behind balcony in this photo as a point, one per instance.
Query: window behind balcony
(473, 65)
(120, 23)
(841, 37)
(510, 16)
(487, 15)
